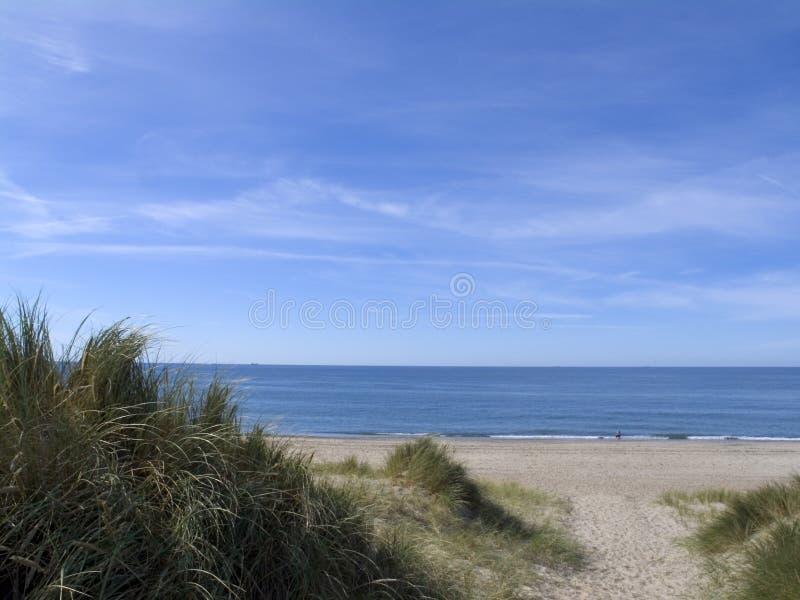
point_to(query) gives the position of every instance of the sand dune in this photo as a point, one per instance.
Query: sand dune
(613, 487)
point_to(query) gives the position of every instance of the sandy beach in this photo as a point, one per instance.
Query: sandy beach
(613, 487)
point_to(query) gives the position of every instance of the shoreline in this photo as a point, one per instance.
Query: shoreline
(724, 439)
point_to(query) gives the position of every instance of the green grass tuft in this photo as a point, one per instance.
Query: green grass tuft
(349, 466)
(749, 513)
(773, 565)
(430, 465)
(751, 540)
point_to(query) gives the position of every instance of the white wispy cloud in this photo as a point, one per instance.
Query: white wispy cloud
(43, 229)
(617, 170)
(21, 198)
(663, 212)
(659, 299)
(738, 201)
(620, 192)
(283, 207)
(180, 213)
(390, 209)
(53, 43)
(759, 297)
(175, 250)
(27, 215)
(59, 52)
(558, 315)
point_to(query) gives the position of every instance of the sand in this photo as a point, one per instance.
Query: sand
(613, 487)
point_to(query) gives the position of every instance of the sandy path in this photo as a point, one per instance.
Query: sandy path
(613, 487)
(632, 553)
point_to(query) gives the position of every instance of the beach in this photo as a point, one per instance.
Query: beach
(613, 487)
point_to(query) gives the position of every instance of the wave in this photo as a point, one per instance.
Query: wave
(546, 437)
(745, 438)
(582, 437)
(401, 433)
(564, 436)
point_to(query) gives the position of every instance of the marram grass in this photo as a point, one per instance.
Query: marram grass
(484, 508)
(430, 465)
(493, 539)
(752, 543)
(750, 513)
(119, 479)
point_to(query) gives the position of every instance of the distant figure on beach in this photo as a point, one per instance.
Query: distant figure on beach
(619, 435)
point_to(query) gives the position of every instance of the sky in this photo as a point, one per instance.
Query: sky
(573, 183)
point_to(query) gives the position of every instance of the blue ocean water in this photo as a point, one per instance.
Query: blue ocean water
(527, 402)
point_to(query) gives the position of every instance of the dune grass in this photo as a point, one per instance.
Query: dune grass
(489, 540)
(773, 564)
(748, 514)
(119, 478)
(751, 541)
(698, 505)
(350, 465)
(429, 465)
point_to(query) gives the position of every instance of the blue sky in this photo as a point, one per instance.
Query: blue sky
(632, 168)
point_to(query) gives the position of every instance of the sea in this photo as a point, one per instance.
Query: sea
(510, 402)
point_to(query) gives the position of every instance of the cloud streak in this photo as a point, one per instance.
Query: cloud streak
(738, 201)
(760, 297)
(224, 251)
(21, 198)
(51, 42)
(734, 203)
(46, 229)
